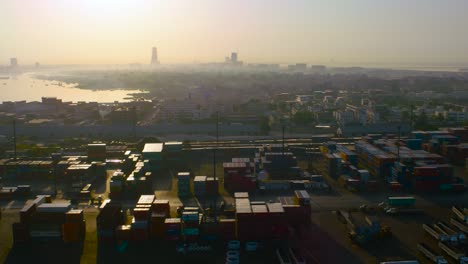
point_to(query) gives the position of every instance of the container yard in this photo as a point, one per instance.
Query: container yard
(270, 204)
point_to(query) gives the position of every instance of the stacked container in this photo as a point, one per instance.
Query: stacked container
(302, 197)
(427, 179)
(295, 214)
(332, 165)
(376, 161)
(414, 144)
(138, 182)
(227, 229)
(209, 229)
(238, 177)
(183, 184)
(117, 185)
(279, 228)
(109, 218)
(74, 228)
(190, 225)
(172, 152)
(21, 230)
(97, 152)
(278, 164)
(123, 233)
(244, 218)
(346, 154)
(140, 227)
(153, 153)
(47, 222)
(141, 218)
(172, 228)
(160, 210)
(261, 229)
(211, 187)
(199, 186)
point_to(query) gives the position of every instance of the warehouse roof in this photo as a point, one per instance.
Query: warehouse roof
(153, 147)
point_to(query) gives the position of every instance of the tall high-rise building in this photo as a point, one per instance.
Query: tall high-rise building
(13, 62)
(234, 57)
(154, 56)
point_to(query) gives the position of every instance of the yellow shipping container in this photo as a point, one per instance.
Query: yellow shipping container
(323, 149)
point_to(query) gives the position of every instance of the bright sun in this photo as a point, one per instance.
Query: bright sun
(108, 8)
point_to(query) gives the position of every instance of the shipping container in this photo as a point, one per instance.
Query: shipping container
(401, 201)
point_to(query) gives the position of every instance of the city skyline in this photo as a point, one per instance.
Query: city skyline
(361, 33)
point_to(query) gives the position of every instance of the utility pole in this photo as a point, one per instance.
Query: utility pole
(283, 140)
(214, 204)
(134, 123)
(398, 144)
(411, 117)
(14, 136)
(216, 146)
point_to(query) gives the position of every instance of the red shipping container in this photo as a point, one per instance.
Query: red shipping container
(426, 171)
(141, 213)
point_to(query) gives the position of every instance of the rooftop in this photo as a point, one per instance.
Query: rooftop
(153, 147)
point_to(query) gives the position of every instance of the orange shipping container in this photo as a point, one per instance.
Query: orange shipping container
(73, 232)
(74, 216)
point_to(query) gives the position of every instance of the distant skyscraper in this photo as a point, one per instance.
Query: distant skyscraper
(234, 57)
(13, 62)
(154, 56)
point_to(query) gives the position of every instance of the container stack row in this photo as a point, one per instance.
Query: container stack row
(238, 176)
(183, 184)
(375, 160)
(159, 212)
(332, 165)
(191, 225)
(199, 186)
(25, 169)
(110, 217)
(345, 154)
(257, 221)
(44, 221)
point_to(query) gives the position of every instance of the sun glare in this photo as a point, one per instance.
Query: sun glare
(107, 9)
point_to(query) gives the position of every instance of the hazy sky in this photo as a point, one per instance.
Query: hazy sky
(361, 32)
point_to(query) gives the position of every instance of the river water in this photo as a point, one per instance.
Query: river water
(26, 87)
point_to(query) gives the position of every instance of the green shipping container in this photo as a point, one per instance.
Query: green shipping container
(401, 201)
(445, 187)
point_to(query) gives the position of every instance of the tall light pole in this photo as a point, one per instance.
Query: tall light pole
(282, 142)
(216, 146)
(398, 144)
(14, 136)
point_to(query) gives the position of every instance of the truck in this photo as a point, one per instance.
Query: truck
(399, 211)
(428, 253)
(435, 234)
(459, 257)
(363, 229)
(402, 201)
(400, 205)
(401, 262)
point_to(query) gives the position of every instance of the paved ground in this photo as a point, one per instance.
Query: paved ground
(325, 241)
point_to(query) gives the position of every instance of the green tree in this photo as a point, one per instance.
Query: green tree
(303, 117)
